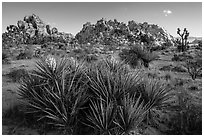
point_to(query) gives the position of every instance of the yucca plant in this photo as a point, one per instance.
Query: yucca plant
(130, 114)
(55, 93)
(101, 117)
(113, 65)
(136, 54)
(108, 118)
(110, 82)
(156, 96)
(130, 58)
(106, 81)
(148, 57)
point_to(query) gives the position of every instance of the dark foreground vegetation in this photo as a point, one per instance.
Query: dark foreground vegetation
(107, 97)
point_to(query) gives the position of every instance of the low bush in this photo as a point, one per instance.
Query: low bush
(78, 51)
(152, 75)
(16, 75)
(181, 57)
(194, 67)
(28, 54)
(186, 118)
(168, 76)
(173, 68)
(193, 87)
(136, 54)
(178, 69)
(176, 58)
(5, 58)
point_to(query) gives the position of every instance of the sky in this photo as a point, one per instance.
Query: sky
(69, 17)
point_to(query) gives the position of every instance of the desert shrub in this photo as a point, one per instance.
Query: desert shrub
(173, 68)
(13, 112)
(135, 54)
(16, 75)
(186, 118)
(148, 57)
(91, 57)
(194, 67)
(86, 57)
(27, 54)
(152, 75)
(178, 69)
(176, 58)
(5, 58)
(168, 76)
(167, 44)
(199, 46)
(193, 87)
(78, 51)
(166, 68)
(157, 48)
(181, 57)
(44, 45)
(163, 46)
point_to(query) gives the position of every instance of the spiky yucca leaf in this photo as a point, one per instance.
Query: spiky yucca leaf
(101, 117)
(112, 85)
(130, 114)
(52, 71)
(156, 96)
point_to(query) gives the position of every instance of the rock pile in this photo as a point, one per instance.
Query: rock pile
(114, 32)
(104, 36)
(34, 31)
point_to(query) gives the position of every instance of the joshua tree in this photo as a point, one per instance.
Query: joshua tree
(54, 30)
(48, 29)
(184, 38)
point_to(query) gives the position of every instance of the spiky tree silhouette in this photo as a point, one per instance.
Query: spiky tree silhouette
(184, 38)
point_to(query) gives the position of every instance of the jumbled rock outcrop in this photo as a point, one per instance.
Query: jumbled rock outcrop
(32, 30)
(118, 33)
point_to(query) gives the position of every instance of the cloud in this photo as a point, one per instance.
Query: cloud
(167, 12)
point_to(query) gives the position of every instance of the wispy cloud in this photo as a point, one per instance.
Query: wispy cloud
(167, 12)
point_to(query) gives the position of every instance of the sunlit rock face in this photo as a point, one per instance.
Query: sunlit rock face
(33, 30)
(112, 31)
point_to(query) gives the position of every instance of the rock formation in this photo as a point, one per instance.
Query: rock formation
(32, 30)
(114, 32)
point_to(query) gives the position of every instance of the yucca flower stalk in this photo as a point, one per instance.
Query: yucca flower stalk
(51, 62)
